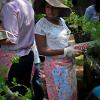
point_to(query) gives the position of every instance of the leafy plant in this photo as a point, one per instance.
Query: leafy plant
(68, 3)
(7, 94)
(87, 27)
(3, 71)
(38, 16)
(73, 20)
(79, 60)
(15, 59)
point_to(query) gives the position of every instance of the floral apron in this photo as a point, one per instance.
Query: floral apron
(60, 78)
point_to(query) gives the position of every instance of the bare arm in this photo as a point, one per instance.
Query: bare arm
(5, 42)
(42, 47)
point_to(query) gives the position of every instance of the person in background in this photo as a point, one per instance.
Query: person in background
(18, 23)
(37, 82)
(92, 13)
(52, 36)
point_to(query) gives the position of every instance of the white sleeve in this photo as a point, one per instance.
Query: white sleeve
(39, 28)
(36, 54)
(65, 26)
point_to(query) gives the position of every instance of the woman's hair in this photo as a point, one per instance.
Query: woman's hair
(39, 6)
(97, 5)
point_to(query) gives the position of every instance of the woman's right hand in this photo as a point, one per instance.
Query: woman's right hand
(70, 51)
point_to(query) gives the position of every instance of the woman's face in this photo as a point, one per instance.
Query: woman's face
(51, 11)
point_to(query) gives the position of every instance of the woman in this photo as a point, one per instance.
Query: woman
(52, 37)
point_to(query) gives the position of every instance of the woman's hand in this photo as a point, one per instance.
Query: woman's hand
(70, 51)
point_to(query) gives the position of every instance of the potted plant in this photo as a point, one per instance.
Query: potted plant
(78, 26)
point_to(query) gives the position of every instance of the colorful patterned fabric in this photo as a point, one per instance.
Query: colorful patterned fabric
(6, 59)
(60, 78)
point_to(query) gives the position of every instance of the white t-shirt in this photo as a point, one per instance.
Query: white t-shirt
(56, 35)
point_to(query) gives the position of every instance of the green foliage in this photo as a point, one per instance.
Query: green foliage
(94, 51)
(2, 84)
(28, 95)
(79, 60)
(91, 62)
(9, 95)
(3, 70)
(15, 59)
(73, 19)
(87, 26)
(38, 16)
(2, 98)
(68, 3)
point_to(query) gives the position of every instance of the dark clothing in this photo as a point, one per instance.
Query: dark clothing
(37, 84)
(74, 2)
(22, 72)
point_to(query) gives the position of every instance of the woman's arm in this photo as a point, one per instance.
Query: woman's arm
(42, 47)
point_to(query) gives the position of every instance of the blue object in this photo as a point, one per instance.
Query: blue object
(96, 92)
